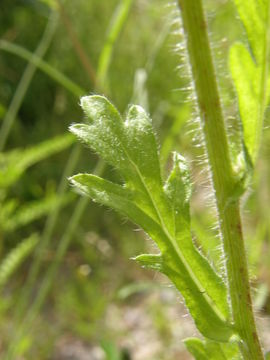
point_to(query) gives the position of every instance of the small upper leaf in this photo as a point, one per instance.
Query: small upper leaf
(249, 69)
(211, 350)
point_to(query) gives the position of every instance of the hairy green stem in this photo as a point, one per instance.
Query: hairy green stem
(224, 180)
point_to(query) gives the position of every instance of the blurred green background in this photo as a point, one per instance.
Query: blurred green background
(68, 287)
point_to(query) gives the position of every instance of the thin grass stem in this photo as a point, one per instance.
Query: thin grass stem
(55, 74)
(116, 25)
(26, 79)
(82, 56)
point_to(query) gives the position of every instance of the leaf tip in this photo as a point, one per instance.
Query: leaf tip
(180, 161)
(89, 100)
(150, 261)
(76, 180)
(137, 113)
(73, 128)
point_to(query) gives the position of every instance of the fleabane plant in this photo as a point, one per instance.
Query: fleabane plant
(159, 204)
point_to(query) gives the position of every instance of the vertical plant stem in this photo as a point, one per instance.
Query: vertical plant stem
(223, 178)
(26, 80)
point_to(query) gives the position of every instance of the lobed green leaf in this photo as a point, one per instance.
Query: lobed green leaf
(160, 208)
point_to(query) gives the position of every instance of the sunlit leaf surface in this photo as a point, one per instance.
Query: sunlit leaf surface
(160, 207)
